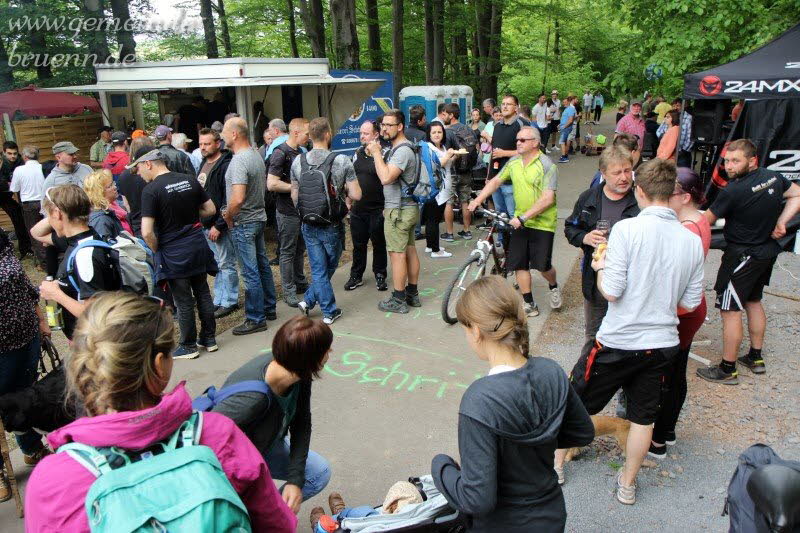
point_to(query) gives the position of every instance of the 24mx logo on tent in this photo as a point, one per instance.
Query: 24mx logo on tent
(758, 86)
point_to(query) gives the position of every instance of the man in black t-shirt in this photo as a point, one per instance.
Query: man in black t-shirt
(504, 147)
(366, 215)
(290, 239)
(751, 205)
(172, 205)
(94, 269)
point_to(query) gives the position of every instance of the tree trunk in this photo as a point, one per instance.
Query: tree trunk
(345, 37)
(438, 42)
(314, 21)
(36, 40)
(223, 26)
(557, 41)
(209, 32)
(546, 59)
(397, 47)
(458, 47)
(6, 70)
(373, 35)
(122, 14)
(428, 42)
(292, 29)
(493, 59)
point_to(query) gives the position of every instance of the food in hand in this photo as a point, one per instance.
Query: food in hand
(462, 151)
(600, 251)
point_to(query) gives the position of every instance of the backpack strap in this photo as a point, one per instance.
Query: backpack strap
(91, 243)
(87, 456)
(215, 397)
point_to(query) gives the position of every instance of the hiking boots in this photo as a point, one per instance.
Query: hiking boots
(336, 503)
(715, 374)
(412, 299)
(380, 282)
(393, 305)
(316, 514)
(5, 488)
(353, 283)
(223, 311)
(531, 309)
(756, 365)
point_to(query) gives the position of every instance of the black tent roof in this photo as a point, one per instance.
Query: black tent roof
(772, 71)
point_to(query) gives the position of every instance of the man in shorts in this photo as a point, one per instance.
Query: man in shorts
(754, 218)
(534, 178)
(401, 211)
(638, 336)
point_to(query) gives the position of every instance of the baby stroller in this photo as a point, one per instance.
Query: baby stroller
(433, 515)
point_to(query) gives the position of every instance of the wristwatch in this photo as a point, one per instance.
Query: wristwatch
(521, 219)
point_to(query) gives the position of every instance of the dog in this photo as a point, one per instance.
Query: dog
(42, 407)
(606, 425)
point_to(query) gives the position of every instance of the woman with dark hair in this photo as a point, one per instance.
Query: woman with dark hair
(300, 349)
(510, 422)
(669, 141)
(22, 324)
(686, 199)
(433, 210)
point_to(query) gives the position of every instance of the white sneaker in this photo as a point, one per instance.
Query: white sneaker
(555, 298)
(531, 309)
(441, 253)
(428, 250)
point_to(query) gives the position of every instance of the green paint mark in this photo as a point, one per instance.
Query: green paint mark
(443, 270)
(401, 345)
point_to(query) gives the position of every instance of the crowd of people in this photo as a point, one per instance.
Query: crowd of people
(207, 213)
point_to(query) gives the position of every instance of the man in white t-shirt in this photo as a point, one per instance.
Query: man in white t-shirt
(542, 120)
(27, 184)
(556, 118)
(587, 105)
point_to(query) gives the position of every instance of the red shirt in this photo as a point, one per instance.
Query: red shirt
(633, 125)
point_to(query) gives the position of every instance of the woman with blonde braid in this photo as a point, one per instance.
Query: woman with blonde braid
(510, 422)
(119, 371)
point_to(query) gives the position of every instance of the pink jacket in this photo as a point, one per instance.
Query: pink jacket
(57, 488)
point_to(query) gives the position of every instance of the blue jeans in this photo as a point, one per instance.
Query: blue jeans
(503, 199)
(18, 371)
(565, 135)
(251, 251)
(318, 470)
(226, 284)
(324, 247)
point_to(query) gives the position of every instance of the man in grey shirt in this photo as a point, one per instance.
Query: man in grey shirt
(245, 181)
(400, 213)
(68, 170)
(324, 237)
(652, 266)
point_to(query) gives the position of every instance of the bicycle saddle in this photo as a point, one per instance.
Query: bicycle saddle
(775, 491)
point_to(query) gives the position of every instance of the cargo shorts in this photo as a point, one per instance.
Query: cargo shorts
(398, 227)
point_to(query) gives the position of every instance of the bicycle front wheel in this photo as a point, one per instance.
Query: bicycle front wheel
(469, 272)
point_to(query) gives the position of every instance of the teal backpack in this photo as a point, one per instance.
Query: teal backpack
(174, 486)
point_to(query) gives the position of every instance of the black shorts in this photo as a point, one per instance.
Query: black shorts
(530, 248)
(639, 373)
(741, 278)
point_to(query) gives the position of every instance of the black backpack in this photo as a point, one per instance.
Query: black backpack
(318, 203)
(744, 516)
(466, 141)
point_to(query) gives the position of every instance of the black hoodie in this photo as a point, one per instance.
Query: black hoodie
(509, 427)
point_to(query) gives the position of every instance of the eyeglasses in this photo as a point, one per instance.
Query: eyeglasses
(160, 303)
(389, 125)
(522, 139)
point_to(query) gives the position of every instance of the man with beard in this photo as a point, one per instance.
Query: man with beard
(68, 170)
(754, 218)
(212, 178)
(401, 211)
(462, 169)
(612, 201)
(633, 123)
(10, 161)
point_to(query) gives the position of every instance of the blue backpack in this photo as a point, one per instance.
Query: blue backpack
(135, 260)
(213, 397)
(176, 485)
(429, 178)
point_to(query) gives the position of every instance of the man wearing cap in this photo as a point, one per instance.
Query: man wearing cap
(118, 157)
(175, 160)
(99, 150)
(172, 205)
(68, 170)
(633, 123)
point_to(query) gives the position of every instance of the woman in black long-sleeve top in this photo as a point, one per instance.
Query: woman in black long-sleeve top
(510, 422)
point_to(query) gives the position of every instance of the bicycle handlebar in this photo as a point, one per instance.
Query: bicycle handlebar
(502, 217)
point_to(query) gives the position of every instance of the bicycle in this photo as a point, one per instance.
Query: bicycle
(490, 246)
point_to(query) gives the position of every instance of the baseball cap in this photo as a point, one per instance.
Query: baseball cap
(162, 131)
(64, 146)
(138, 133)
(636, 102)
(145, 153)
(118, 137)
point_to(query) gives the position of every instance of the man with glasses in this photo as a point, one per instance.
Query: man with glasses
(534, 178)
(401, 211)
(504, 147)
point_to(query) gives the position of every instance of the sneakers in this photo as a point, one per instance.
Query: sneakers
(563, 159)
(209, 345)
(303, 307)
(418, 236)
(290, 298)
(5, 488)
(330, 319)
(441, 254)
(250, 326)
(560, 474)
(393, 305)
(222, 311)
(428, 249)
(336, 503)
(271, 315)
(531, 309)
(715, 374)
(626, 495)
(555, 298)
(657, 452)
(756, 366)
(353, 283)
(380, 282)
(669, 438)
(466, 235)
(412, 299)
(34, 458)
(447, 237)
(186, 352)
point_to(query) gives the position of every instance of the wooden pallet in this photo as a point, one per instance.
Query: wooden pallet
(80, 130)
